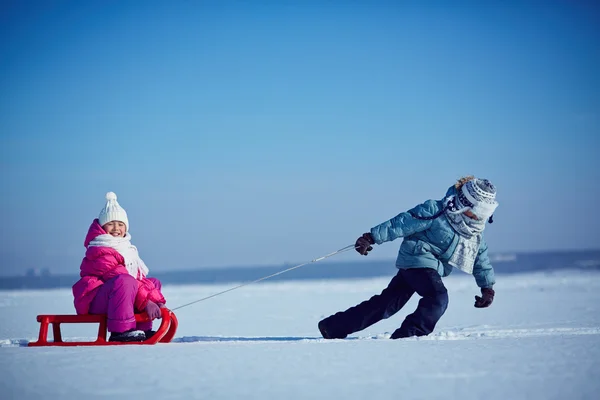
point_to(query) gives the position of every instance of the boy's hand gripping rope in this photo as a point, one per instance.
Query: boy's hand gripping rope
(350, 247)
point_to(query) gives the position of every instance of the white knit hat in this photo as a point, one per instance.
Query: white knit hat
(112, 211)
(480, 196)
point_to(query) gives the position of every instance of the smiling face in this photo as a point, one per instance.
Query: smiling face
(115, 228)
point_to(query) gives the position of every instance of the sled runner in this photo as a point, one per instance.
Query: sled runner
(164, 334)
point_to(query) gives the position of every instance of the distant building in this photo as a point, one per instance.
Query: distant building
(33, 272)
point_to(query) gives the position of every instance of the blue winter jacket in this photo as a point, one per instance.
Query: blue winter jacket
(430, 243)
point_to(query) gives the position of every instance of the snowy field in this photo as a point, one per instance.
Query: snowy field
(539, 340)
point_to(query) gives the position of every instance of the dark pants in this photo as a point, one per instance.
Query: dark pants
(425, 281)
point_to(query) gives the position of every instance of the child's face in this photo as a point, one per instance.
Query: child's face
(115, 228)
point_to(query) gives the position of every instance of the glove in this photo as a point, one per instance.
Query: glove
(363, 244)
(486, 299)
(153, 310)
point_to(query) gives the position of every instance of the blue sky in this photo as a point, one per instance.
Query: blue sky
(252, 133)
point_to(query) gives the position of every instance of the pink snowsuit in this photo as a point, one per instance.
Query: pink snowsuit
(106, 287)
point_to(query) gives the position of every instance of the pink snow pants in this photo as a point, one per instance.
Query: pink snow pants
(115, 298)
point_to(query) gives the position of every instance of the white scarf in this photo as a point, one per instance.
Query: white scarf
(469, 237)
(134, 264)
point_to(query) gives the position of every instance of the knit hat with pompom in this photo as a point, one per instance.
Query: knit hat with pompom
(112, 211)
(480, 196)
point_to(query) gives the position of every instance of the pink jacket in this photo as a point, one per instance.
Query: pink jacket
(101, 264)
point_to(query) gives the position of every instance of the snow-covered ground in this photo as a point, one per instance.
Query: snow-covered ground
(539, 340)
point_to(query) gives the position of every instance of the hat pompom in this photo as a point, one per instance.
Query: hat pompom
(111, 196)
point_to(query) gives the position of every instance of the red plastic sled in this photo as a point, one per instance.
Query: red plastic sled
(164, 334)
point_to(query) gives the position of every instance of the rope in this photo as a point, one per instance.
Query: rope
(350, 247)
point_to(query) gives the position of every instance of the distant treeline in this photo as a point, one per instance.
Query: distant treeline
(503, 263)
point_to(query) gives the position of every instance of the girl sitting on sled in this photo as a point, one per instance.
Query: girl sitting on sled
(114, 278)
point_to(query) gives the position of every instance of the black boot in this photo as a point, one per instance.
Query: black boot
(149, 333)
(327, 333)
(131, 335)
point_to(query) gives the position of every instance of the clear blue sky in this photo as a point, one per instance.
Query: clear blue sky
(258, 133)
